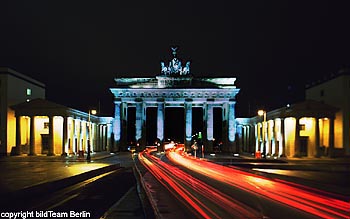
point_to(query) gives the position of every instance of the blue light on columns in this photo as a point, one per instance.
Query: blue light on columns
(160, 121)
(117, 122)
(231, 122)
(188, 121)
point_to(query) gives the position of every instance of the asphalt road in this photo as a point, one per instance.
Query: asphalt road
(270, 205)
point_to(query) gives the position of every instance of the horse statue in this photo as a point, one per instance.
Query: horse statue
(186, 69)
(163, 68)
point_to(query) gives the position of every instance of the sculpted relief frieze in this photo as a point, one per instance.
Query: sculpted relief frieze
(174, 93)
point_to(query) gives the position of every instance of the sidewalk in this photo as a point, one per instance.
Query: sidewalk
(26, 175)
(21, 172)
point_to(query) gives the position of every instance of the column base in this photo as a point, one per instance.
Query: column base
(15, 151)
(117, 145)
(231, 147)
(188, 145)
(208, 147)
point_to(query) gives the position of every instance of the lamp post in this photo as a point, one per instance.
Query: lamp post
(88, 156)
(263, 113)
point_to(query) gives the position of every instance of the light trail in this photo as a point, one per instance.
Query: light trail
(204, 199)
(303, 199)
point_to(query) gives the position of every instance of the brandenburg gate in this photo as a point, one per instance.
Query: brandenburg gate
(175, 86)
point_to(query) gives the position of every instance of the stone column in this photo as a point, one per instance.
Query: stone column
(275, 141)
(32, 136)
(266, 143)
(103, 136)
(262, 138)
(210, 128)
(224, 113)
(138, 122)
(96, 137)
(144, 131)
(331, 137)
(270, 137)
(160, 121)
(109, 136)
(17, 149)
(247, 139)
(244, 138)
(78, 131)
(124, 118)
(117, 131)
(297, 138)
(73, 137)
(51, 137)
(317, 138)
(252, 138)
(204, 131)
(124, 114)
(257, 137)
(100, 137)
(65, 136)
(231, 127)
(188, 124)
(81, 136)
(283, 152)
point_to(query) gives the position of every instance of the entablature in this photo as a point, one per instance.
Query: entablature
(174, 93)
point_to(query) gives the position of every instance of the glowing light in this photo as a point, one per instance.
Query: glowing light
(81, 168)
(93, 111)
(190, 188)
(300, 197)
(29, 91)
(261, 112)
(169, 146)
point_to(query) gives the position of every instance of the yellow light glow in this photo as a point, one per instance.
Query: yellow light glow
(93, 112)
(81, 168)
(261, 112)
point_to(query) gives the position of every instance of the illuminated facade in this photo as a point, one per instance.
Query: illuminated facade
(31, 125)
(335, 91)
(44, 127)
(304, 129)
(14, 88)
(175, 86)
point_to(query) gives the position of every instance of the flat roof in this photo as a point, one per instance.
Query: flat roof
(9, 71)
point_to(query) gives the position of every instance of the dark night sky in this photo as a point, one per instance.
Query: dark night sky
(273, 48)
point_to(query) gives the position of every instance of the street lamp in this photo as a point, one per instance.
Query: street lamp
(263, 113)
(88, 157)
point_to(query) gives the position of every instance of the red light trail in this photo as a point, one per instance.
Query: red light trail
(303, 199)
(194, 191)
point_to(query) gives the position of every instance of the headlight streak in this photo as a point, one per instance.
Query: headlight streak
(303, 199)
(176, 180)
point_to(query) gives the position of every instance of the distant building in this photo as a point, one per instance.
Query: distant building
(304, 129)
(316, 127)
(72, 130)
(32, 125)
(14, 88)
(335, 91)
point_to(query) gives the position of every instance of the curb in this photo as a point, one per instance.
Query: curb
(141, 181)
